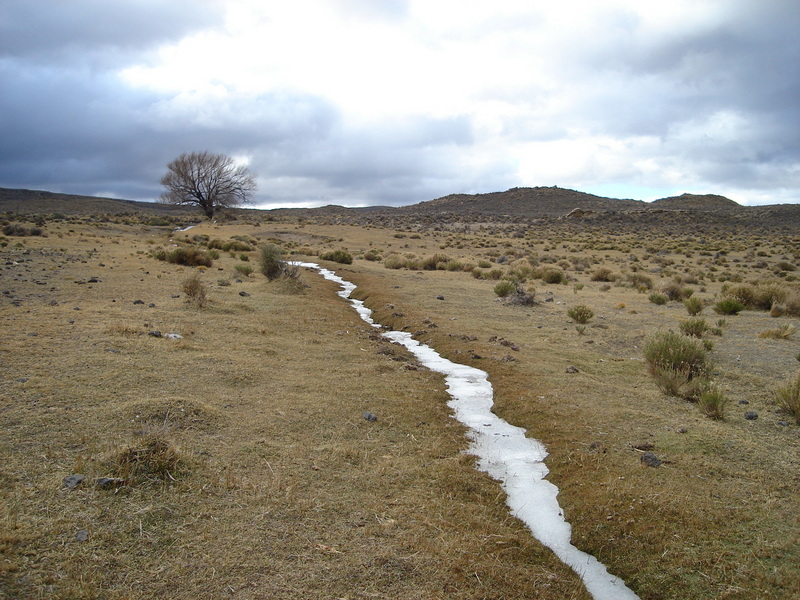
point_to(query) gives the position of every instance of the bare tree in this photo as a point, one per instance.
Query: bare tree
(211, 181)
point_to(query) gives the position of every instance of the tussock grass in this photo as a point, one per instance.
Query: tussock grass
(784, 332)
(788, 398)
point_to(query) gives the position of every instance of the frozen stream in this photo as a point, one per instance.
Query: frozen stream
(505, 453)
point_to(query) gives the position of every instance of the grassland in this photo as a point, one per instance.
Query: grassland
(274, 485)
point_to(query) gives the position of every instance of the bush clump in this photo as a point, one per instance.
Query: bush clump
(195, 290)
(504, 288)
(186, 256)
(713, 403)
(338, 256)
(694, 306)
(658, 298)
(580, 314)
(271, 261)
(728, 306)
(694, 327)
(678, 364)
(15, 229)
(553, 275)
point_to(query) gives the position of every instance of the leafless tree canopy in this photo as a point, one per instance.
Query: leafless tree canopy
(211, 181)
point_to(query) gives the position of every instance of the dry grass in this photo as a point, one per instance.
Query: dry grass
(279, 488)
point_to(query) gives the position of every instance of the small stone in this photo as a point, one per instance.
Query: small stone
(73, 481)
(108, 482)
(82, 536)
(649, 459)
(783, 423)
(243, 294)
(751, 415)
(155, 333)
(173, 336)
(371, 417)
(440, 297)
(744, 402)
(681, 430)
(572, 369)
(644, 446)
(138, 301)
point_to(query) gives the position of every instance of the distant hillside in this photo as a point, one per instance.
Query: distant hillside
(37, 201)
(528, 202)
(695, 202)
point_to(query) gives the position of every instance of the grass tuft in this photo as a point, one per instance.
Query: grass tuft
(788, 398)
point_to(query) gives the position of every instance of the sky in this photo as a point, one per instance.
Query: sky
(394, 102)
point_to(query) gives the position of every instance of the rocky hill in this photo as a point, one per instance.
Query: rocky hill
(689, 211)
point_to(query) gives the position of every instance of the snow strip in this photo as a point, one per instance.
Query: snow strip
(505, 453)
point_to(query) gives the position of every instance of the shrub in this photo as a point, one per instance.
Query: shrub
(675, 291)
(15, 229)
(504, 288)
(394, 261)
(195, 291)
(245, 270)
(271, 261)
(678, 364)
(713, 403)
(694, 306)
(640, 281)
(602, 274)
(694, 327)
(338, 256)
(580, 314)
(788, 398)
(230, 245)
(372, 255)
(657, 298)
(432, 263)
(187, 256)
(728, 306)
(553, 275)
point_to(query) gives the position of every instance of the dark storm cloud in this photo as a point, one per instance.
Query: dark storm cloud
(63, 31)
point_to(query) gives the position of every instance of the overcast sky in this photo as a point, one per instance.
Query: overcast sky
(365, 102)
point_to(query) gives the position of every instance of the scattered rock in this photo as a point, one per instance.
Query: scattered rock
(243, 294)
(73, 481)
(105, 483)
(751, 415)
(82, 536)
(649, 459)
(572, 369)
(371, 417)
(644, 446)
